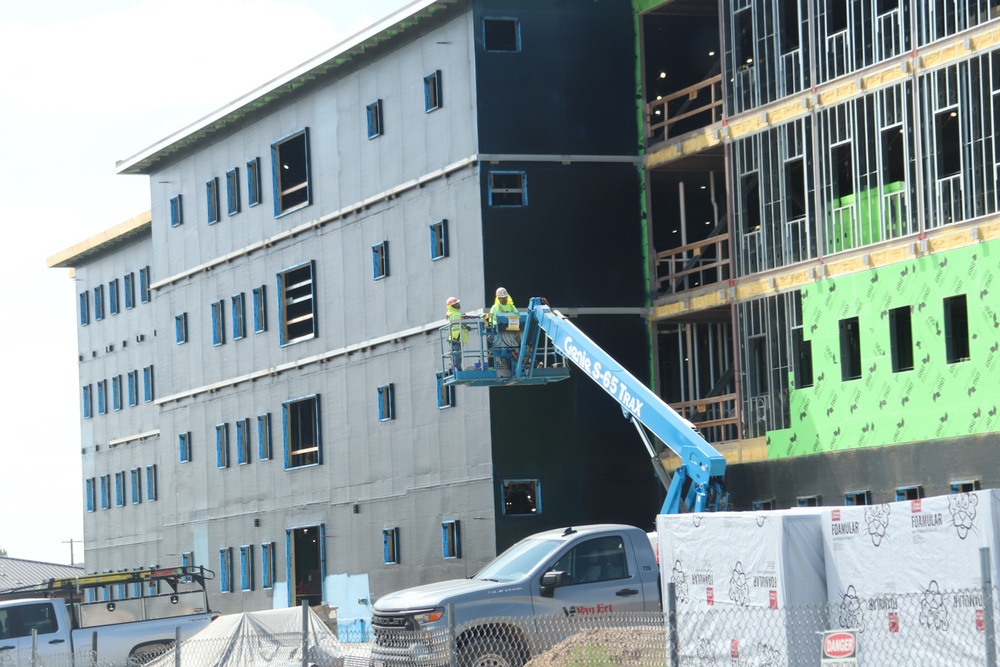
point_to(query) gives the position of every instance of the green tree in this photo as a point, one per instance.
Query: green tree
(3, 552)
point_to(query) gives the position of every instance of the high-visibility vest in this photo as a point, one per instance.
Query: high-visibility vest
(457, 333)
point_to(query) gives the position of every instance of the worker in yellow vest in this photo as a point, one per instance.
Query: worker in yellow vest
(456, 333)
(505, 320)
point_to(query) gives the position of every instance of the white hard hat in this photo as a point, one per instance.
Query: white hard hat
(452, 301)
(501, 291)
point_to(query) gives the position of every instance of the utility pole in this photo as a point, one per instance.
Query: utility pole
(70, 541)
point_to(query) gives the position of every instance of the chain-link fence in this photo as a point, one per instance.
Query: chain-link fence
(934, 627)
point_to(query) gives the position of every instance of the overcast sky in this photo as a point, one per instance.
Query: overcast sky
(83, 84)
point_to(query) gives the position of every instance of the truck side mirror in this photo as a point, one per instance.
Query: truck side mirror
(551, 581)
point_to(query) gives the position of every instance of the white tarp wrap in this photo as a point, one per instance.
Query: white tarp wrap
(907, 575)
(258, 638)
(735, 574)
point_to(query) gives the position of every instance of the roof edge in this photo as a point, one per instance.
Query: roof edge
(73, 256)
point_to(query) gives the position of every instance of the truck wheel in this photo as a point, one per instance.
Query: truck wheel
(491, 652)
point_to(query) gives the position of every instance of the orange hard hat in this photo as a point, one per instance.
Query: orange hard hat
(452, 301)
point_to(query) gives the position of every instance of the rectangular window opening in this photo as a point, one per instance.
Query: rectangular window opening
(956, 329)
(259, 309)
(445, 393)
(507, 188)
(893, 155)
(218, 323)
(212, 200)
(136, 475)
(225, 570)
(243, 441)
(267, 565)
(858, 497)
(763, 505)
(808, 501)
(133, 388)
(113, 303)
(501, 35)
(116, 393)
(390, 546)
(290, 163)
(264, 437)
(386, 409)
(239, 316)
(87, 401)
(432, 91)
(233, 191)
(246, 567)
(99, 302)
(144, 288)
(147, 384)
(850, 349)
(180, 328)
(380, 260)
(450, 540)
(790, 25)
(302, 432)
(948, 149)
(84, 308)
(222, 446)
(802, 358)
(522, 497)
(129, 291)
(966, 486)
(176, 212)
(374, 116)
(439, 239)
(184, 447)
(297, 317)
(253, 182)
(901, 339)
(914, 492)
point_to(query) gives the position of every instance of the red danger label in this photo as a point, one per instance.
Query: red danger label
(710, 596)
(980, 621)
(893, 621)
(839, 645)
(915, 506)
(836, 515)
(734, 649)
(772, 598)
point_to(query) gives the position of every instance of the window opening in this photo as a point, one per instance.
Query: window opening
(795, 189)
(290, 162)
(147, 384)
(850, 349)
(120, 489)
(858, 498)
(432, 91)
(373, 113)
(380, 260)
(956, 329)
(306, 555)
(116, 393)
(967, 486)
(180, 328)
(113, 296)
(914, 492)
(176, 212)
(790, 24)
(222, 445)
(508, 188)
(87, 401)
(184, 447)
(450, 540)
(802, 357)
(218, 323)
(84, 308)
(264, 437)
(390, 546)
(901, 339)
(253, 182)
(808, 501)
(439, 239)
(267, 565)
(212, 200)
(259, 309)
(99, 302)
(758, 370)
(501, 34)
(133, 388)
(246, 567)
(763, 505)
(386, 409)
(225, 570)
(297, 305)
(233, 191)
(239, 316)
(302, 432)
(445, 393)
(144, 287)
(243, 441)
(129, 291)
(136, 475)
(522, 497)
(948, 149)
(105, 492)
(102, 397)
(90, 496)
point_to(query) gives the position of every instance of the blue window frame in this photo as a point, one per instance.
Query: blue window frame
(116, 393)
(259, 309)
(445, 393)
(373, 112)
(120, 489)
(85, 308)
(390, 546)
(246, 567)
(386, 403)
(253, 182)
(239, 316)
(909, 492)
(212, 200)
(233, 191)
(267, 565)
(432, 91)
(152, 483)
(90, 494)
(218, 323)
(501, 35)
(439, 239)
(965, 486)
(297, 316)
(105, 492)
(507, 189)
(87, 401)
(808, 501)
(858, 498)
(225, 570)
(181, 328)
(301, 427)
(187, 559)
(113, 302)
(133, 388)
(264, 437)
(129, 291)
(380, 260)
(184, 447)
(222, 445)
(763, 505)
(451, 543)
(102, 397)
(99, 302)
(176, 212)
(243, 441)
(147, 384)
(136, 474)
(144, 287)
(290, 167)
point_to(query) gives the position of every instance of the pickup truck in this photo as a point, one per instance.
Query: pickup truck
(121, 630)
(582, 571)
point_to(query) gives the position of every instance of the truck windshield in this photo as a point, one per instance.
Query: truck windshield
(518, 560)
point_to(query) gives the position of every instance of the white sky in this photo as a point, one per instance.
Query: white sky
(82, 85)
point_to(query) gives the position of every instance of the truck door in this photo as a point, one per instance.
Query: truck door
(18, 623)
(600, 579)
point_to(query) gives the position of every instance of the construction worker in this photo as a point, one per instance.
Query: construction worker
(505, 320)
(457, 333)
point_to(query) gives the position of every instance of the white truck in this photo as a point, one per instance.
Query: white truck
(52, 621)
(498, 617)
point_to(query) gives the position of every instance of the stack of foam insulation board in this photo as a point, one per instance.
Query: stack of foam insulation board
(737, 575)
(907, 576)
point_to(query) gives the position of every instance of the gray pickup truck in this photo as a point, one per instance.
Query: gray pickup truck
(496, 616)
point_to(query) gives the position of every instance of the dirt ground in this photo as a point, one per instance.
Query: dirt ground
(619, 647)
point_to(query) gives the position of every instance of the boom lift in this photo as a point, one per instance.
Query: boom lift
(547, 341)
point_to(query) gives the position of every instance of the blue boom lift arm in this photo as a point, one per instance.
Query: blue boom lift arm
(697, 482)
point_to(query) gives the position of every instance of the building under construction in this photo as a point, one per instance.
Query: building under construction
(782, 213)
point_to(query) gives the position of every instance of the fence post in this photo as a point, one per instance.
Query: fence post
(305, 633)
(34, 647)
(987, 577)
(452, 643)
(177, 646)
(673, 659)
(93, 648)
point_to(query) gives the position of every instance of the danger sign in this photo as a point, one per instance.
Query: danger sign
(840, 648)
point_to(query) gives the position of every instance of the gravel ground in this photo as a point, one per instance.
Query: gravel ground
(619, 647)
